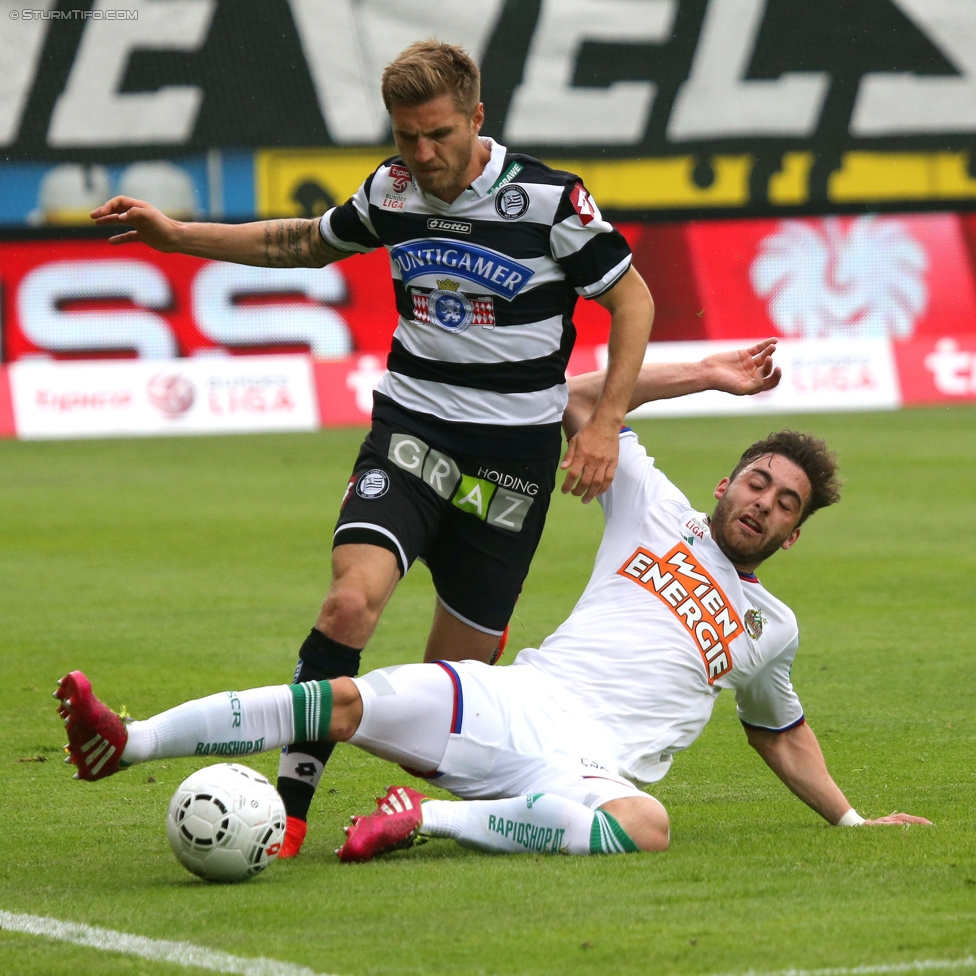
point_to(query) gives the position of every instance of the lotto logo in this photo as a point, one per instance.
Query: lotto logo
(702, 608)
(583, 204)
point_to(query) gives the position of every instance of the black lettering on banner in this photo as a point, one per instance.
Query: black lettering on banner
(742, 105)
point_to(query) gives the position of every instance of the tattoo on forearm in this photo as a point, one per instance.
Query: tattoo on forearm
(294, 244)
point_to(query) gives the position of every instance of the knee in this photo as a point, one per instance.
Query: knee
(347, 607)
(644, 819)
(347, 709)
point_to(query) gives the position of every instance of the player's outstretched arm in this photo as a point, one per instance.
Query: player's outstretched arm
(286, 243)
(741, 372)
(796, 758)
(591, 457)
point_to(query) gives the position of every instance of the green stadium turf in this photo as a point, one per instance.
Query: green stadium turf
(172, 568)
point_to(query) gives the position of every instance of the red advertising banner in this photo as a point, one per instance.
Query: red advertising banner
(898, 277)
(894, 277)
(90, 300)
(8, 426)
(937, 370)
(872, 290)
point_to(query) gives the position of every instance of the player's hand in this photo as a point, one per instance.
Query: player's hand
(148, 225)
(590, 461)
(897, 818)
(744, 372)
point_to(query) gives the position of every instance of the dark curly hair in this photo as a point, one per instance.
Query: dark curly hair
(808, 453)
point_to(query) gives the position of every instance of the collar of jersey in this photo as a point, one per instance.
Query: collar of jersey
(748, 577)
(493, 168)
(481, 186)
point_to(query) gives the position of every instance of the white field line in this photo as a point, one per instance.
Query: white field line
(916, 966)
(186, 954)
(158, 950)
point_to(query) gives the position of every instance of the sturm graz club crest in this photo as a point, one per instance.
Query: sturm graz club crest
(373, 483)
(448, 308)
(511, 202)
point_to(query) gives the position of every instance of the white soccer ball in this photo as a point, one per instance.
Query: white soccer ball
(226, 823)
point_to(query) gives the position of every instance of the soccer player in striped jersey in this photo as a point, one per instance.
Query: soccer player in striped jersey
(489, 253)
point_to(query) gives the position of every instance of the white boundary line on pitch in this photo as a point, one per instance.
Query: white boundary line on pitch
(916, 966)
(187, 954)
(157, 950)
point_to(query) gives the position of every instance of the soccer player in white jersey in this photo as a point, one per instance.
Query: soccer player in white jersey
(489, 252)
(551, 754)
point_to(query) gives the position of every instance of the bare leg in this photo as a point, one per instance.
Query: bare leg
(453, 640)
(644, 819)
(347, 710)
(363, 580)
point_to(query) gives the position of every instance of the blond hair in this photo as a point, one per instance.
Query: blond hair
(429, 69)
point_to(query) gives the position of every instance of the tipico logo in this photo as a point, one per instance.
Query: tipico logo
(836, 278)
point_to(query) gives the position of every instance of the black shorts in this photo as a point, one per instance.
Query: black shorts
(475, 521)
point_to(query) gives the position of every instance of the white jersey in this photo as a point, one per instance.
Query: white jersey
(664, 624)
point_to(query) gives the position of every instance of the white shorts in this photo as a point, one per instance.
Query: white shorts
(484, 732)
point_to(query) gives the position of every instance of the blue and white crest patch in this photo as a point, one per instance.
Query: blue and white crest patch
(450, 310)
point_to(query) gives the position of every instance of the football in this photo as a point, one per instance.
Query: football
(225, 823)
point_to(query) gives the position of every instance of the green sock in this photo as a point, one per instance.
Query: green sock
(312, 702)
(608, 837)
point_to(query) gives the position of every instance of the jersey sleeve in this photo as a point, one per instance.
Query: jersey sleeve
(348, 227)
(636, 482)
(768, 700)
(591, 252)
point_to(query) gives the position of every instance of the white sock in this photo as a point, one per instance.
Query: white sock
(541, 822)
(232, 724)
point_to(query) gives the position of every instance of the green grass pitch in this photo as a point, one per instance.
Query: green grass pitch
(172, 568)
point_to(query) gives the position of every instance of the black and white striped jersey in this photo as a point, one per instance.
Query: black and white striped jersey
(485, 286)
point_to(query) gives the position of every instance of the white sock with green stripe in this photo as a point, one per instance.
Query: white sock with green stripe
(233, 723)
(542, 822)
(608, 837)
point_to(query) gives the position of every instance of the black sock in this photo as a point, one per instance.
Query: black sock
(319, 659)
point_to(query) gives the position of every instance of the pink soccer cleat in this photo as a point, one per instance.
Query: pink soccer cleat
(393, 826)
(295, 830)
(96, 735)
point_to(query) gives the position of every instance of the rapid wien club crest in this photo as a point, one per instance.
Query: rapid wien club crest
(754, 621)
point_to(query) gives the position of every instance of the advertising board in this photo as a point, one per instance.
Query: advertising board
(127, 398)
(705, 106)
(897, 276)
